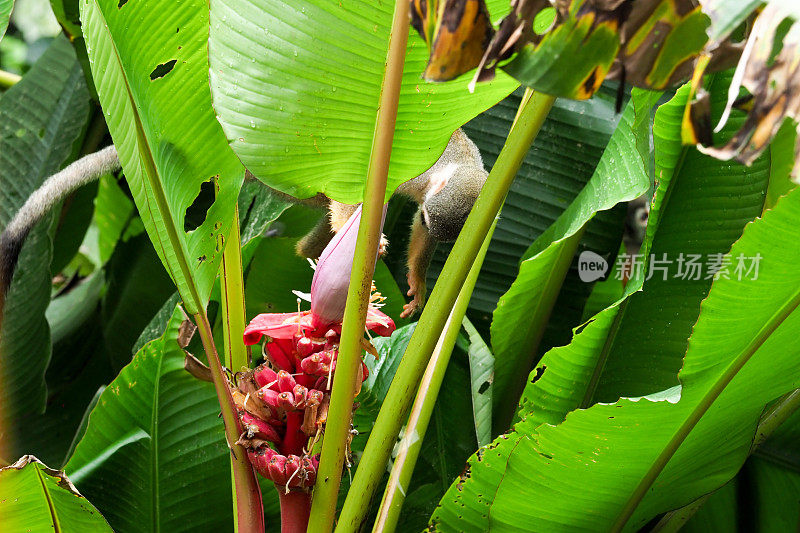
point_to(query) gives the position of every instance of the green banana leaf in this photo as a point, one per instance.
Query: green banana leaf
(150, 68)
(296, 88)
(41, 117)
(769, 482)
(35, 499)
(154, 442)
(522, 313)
(646, 350)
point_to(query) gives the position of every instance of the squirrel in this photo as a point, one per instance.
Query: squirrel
(445, 194)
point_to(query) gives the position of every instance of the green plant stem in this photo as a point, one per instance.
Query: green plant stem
(233, 315)
(533, 110)
(421, 411)
(249, 506)
(337, 429)
(8, 79)
(776, 415)
(233, 318)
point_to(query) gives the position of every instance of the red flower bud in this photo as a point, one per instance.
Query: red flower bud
(285, 381)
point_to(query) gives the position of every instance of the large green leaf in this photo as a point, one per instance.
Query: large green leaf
(78, 367)
(519, 321)
(154, 454)
(36, 499)
(709, 203)
(770, 484)
(296, 88)
(648, 455)
(40, 118)
(149, 62)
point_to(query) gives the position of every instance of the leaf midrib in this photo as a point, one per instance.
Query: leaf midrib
(154, 447)
(53, 515)
(151, 174)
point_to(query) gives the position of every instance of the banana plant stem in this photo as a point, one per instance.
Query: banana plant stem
(534, 110)
(776, 415)
(249, 505)
(421, 411)
(337, 429)
(233, 318)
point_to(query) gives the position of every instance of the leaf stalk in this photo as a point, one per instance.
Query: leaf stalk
(249, 505)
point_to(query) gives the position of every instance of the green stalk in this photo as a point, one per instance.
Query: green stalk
(247, 494)
(337, 429)
(776, 415)
(418, 420)
(533, 110)
(233, 320)
(8, 79)
(233, 316)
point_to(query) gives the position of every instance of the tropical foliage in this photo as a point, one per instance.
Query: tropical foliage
(169, 362)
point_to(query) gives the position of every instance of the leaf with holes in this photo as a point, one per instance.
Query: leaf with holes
(149, 64)
(648, 455)
(296, 87)
(37, 499)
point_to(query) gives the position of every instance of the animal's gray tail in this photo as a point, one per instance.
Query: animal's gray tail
(52, 191)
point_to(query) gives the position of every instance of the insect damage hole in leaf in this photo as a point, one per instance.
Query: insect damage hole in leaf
(121, 3)
(483, 387)
(539, 373)
(163, 69)
(196, 213)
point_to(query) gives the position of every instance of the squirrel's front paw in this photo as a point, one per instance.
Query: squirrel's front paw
(383, 245)
(417, 290)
